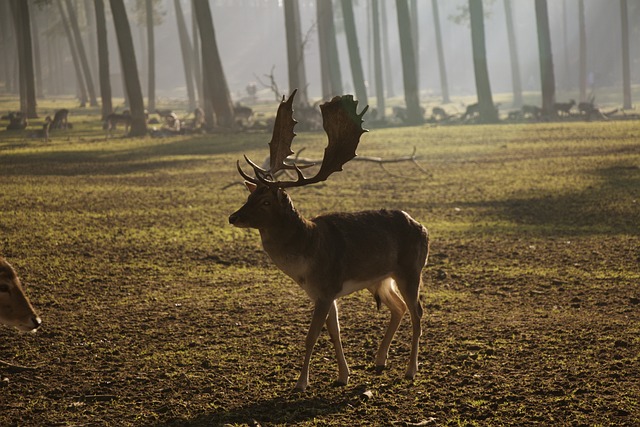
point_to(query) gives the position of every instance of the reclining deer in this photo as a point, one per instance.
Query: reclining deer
(333, 255)
(15, 308)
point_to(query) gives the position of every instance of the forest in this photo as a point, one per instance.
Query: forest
(133, 294)
(410, 55)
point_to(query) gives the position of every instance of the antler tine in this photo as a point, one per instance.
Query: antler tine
(280, 145)
(244, 175)
(343, 126)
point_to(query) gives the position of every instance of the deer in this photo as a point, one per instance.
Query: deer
(333, 255)
(15, 308)
(564, 107)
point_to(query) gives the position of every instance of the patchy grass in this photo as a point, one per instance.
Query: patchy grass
(157, 312)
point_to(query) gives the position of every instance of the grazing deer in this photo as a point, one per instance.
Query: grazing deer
(60, 119)
(113, 119)
(15, 308)
(333, 255)
(531, 111)
(564, 107)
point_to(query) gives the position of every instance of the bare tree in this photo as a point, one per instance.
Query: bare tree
(128, 61)
(626, 69)
(583, 51)
(151, 58)
(295, 51)
(377, 60)
(329, 60)
(22, 25)
(82, 55)
(187, 54)
(516, 83)
(215, 83)
(487, 110)
(546, 60)
(444, 85)
(103, 59)
(410, 79)
(354, 51)
(80, 82)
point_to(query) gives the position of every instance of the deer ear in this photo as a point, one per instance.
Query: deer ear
(250, 186)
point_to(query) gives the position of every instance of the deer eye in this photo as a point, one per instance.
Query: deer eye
(266, 203)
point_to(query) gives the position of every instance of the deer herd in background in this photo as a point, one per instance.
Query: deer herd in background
(311, 119)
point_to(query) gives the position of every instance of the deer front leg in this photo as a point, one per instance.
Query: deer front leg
(333, 326)
(320, 312)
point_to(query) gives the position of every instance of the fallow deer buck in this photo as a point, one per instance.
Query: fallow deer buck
(15, 308)
(333, 255)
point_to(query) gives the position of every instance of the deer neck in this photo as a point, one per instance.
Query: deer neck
(290, 236)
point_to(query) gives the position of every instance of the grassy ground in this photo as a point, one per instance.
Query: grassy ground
(157, 312)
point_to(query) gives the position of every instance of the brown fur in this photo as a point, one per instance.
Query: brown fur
(15, 308)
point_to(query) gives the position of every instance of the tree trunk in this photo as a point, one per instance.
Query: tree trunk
(197, 66)
(415, 39)
(444, 85)
(354, 51)
(74, 56)
(217, 91)
(388, 73)
(377, 62)
(187, 54)
(73, 20)
(583, 51)
(329, 60)
(295, 52)
(22, 24)
(151, 51)
(36, 55)
(546, 59)
(91, 37)
(411, 97)
(626, 69)
(488, 113)
(516, 83)
(103, 59)
(128, 61)
(568, 80)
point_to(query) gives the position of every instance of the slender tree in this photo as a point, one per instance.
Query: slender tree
(444, 84)
(354, 51)
(329, 60)
(216, 89)
(488, 112)
(516, 83)
(84, 62)
(197, 68)
(128, 62)
(36, 53)
(80, 82)
(415, 37)
(546, 59)
(409, 77)
(626, 69)
(103, 59)
(151, 57)
(377, 60)
(386, 55)
(187, 53)
(295, 52)
(583, 51)
(22, 25)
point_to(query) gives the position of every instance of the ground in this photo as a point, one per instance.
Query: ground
(158, 313)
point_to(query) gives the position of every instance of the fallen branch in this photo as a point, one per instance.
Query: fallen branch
(17, 368)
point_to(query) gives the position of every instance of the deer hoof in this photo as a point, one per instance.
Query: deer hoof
(380, 369)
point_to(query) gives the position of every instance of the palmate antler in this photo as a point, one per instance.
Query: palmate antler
(343, 126)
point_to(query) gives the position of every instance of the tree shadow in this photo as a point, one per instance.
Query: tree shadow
(612, 207)
(145, 158)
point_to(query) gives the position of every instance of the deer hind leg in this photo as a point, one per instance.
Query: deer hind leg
(410, 290)
(320, 313)
(386, 292)
(333, 326)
